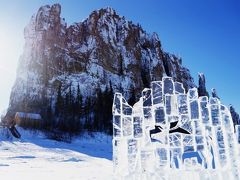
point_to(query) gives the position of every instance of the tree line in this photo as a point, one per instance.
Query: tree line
(74, 113)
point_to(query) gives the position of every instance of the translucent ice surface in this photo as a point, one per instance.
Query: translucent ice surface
(179, 89)
(168, 85)
(157, 94)
(182, 104)
(238, 133)
(137, 127)
(160, 115)
(171, 134)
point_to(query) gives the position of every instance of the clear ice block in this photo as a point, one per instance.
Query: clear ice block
(179, 89)
(237, 127)
(162, 157)
(157, 94)
(160, 115)
(168, 133)
(188, 143)
(198, 128)
(147, 97)
(148, 161)
(186, 123)
(192, 94)
(127, 126)
(182, 104)
(148, 116)
(168, 85)
(126, 108)
(176, 157)
(137, 127)
(214, 100)
(194, 109)
(117, 101)
(120, 157)
(204, 109)
(226, 119)
(175, 140)
(171, 105)
(133, 150)
(117, 126)
(215, 114)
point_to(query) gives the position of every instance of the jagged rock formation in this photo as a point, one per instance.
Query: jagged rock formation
(235, 116)
(214, 93)
(202, 90)
(103, 51)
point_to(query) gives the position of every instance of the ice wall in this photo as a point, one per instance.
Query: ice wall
(171, 134)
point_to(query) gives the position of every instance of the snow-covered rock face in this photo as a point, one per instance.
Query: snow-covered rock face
(103, 48)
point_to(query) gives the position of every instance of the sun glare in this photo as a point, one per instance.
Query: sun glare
(9, 54)
(5, 50)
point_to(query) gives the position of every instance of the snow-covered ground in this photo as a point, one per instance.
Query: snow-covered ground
(35, 157)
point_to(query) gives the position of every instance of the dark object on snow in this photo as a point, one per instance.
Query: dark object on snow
(14, 132)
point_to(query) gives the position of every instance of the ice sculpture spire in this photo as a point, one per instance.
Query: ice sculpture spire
(171, 134)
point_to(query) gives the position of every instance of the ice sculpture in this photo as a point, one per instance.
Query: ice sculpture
(170, 134)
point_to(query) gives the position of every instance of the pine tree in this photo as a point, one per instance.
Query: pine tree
(48, 124)
(104, 110)
(70, 106)
(108, 108)
(79, 102)
(66, 103)
(87, 113)
(98, 110)
(59, 102)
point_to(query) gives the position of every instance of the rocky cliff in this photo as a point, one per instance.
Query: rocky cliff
(103, 50)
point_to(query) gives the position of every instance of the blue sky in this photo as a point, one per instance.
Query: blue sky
(205, 33)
